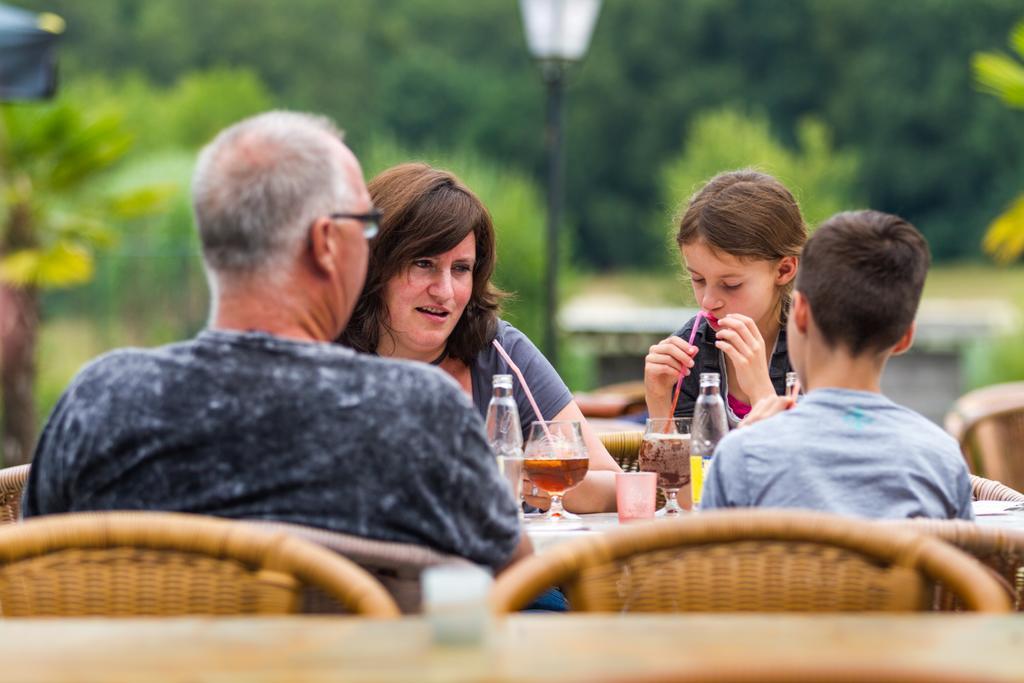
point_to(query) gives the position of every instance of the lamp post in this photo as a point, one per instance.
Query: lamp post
(558, 34)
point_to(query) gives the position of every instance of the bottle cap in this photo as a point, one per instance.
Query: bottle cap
(709, 379)
(501, 381)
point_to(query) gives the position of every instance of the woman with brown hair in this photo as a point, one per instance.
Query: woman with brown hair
(740, 238)
(429, 297)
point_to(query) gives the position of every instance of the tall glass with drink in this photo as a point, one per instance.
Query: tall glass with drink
(556, 462)
(665, 450)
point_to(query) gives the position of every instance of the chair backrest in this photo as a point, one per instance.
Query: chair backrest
(396, 565)
(989, 424)
(999, 549)
(752, 560)
(169, 564)
(624, 447)
(12, 483)
(987, 489)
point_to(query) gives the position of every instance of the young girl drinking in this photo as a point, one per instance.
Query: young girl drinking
(739, 238)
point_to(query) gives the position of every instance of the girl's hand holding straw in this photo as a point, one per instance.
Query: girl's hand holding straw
(740, 340)
(666, 364)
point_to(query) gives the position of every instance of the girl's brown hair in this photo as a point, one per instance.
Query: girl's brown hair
(426, 212)
(746, 214)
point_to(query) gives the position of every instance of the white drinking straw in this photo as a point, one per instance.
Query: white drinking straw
(526, 387)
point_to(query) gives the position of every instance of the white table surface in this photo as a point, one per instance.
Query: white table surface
(544, 537)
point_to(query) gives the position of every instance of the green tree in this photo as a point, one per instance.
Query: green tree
(821, 178)
(50, 225)
(889, 79)
(1003, 76)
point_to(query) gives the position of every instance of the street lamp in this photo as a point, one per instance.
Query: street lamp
(557, 33)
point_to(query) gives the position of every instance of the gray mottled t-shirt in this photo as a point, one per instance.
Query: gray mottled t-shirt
(547, 387)
(255, 426)
(842, 451)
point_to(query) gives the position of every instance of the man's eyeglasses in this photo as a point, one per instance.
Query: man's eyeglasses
(370, 221)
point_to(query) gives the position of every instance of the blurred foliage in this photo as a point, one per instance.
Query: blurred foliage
(878, 89)
(994, 361)
(51, 156)
(1003, 76)
(822, 180)
(186, 114)
(150, 288)
(890, 80)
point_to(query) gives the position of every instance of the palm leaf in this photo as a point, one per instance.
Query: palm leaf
(1005, 237)
(142, 201)
(999, 75)
(65, 264)
(95, 147)
(83, 229)
(1017, 39)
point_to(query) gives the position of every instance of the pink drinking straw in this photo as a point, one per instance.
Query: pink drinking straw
(526, 387)
(679, 384)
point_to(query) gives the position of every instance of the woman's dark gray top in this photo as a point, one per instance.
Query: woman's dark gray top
(710, 359)
(548, 388)
(247, 425)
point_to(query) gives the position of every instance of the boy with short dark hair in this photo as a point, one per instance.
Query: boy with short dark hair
(846, 448)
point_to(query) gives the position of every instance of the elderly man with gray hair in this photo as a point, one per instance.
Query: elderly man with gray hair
(260, 416)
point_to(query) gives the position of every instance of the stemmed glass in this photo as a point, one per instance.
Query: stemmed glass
(556, 461)
(665, 449)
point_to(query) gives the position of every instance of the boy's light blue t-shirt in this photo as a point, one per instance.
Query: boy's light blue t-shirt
(846, 452)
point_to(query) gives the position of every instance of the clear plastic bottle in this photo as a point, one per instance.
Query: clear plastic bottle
(709, 425)
(792, 385)
(505, 435)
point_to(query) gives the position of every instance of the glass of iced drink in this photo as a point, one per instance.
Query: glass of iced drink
(556, 461)
(665, 450)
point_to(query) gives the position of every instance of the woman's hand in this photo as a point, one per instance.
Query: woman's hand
(662, 366)
(538, 498)
(740, 340)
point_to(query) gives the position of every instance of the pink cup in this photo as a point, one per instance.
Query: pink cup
(635, 495)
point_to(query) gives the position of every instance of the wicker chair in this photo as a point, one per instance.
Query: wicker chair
(989, 424)
(168, 564)
(12, 483)
(396, 565)
(1001, 550)
(752, 560)
(987, 489)
(624, 447)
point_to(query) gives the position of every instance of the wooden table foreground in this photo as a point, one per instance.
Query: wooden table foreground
(523, 648)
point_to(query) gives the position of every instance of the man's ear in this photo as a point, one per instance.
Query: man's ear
(906, 340)
(785, 270)
(800, 312)
(322, 247)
